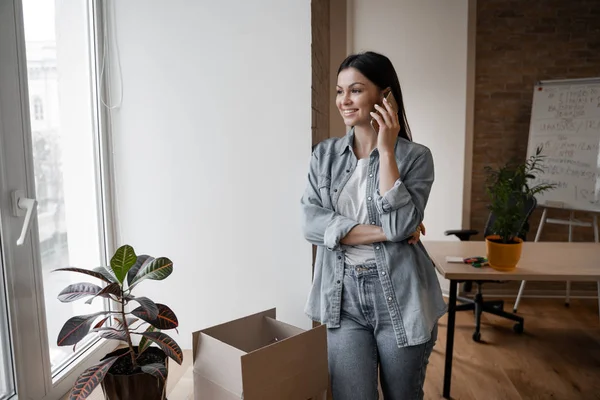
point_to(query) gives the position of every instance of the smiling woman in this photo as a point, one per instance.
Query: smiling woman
(350, 109)
(363, 208)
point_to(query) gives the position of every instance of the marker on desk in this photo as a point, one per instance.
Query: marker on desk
(476, 262)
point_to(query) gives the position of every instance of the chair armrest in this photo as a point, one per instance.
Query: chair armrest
(462, 234)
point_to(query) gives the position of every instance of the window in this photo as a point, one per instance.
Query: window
(54, 153)
(70, 213)
(7, 384)
(38, 109)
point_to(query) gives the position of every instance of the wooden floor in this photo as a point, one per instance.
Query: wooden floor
(558, 356)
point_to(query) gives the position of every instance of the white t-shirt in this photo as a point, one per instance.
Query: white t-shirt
(352, 203)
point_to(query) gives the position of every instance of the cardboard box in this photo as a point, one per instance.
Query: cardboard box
(260, 358)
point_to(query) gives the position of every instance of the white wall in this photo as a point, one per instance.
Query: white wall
(211, 149)
(427, 41)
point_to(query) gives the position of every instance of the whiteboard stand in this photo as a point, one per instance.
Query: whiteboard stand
(571, 222)
(565, 123)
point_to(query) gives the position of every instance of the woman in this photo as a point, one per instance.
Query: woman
(374, 286)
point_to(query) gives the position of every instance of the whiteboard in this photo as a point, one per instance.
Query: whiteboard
(565, 120)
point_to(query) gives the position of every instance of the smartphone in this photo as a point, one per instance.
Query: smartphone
(389, 96)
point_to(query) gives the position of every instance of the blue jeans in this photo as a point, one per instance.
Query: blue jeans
(365, 343)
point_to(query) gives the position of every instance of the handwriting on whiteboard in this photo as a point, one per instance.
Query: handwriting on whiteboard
(565, 122)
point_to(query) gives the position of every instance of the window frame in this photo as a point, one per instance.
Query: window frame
(27, 317)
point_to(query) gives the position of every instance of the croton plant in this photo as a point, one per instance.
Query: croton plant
(147, 321)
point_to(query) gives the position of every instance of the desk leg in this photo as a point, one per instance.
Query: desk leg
(450, 338)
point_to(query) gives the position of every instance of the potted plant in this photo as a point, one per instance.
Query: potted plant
(509, 190)
(130, 372)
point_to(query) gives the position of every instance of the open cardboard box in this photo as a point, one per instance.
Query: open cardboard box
(258, 357)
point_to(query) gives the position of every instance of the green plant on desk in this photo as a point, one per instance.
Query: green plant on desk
(130, 372)
(511, 201)
(508, 189)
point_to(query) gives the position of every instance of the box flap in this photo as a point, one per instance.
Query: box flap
(207, 390)
(243, 333)
(292, 369)
(218, 363)
(274, 331)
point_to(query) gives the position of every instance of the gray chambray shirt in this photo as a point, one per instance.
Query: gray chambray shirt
(407, 274)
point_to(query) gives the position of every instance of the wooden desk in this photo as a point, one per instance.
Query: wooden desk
(540, 261)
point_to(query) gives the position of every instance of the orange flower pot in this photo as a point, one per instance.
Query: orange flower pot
(503, 256)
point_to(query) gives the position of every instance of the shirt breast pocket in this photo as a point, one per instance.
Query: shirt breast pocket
(324, 184)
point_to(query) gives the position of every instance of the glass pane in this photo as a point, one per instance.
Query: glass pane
(63, 127)
(7, 382)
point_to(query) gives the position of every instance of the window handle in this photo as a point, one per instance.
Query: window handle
(23, 206)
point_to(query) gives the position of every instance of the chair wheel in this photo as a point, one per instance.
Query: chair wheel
(518, 328)
(477, 336)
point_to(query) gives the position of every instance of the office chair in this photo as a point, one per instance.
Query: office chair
(478, 305)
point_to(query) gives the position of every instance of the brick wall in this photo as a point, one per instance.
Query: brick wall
(519, 43)
(320, 70)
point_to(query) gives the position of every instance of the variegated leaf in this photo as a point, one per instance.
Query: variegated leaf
(112, 334)
(90, 379)
(141, 261)
(100, 323)
(123, 259)
(148, 305)
(108, 274)
(76, 328)
(77, 291)
(157, 370)
(113, 288)
(144, 342)
(158, 269)
(166, 318)
(167, 344)
(85, 271)
(130, 320)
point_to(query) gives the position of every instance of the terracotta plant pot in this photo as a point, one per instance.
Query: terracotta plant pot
(503, 256)
(138, 386)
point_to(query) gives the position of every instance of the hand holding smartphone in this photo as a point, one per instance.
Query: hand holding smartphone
(389, 96)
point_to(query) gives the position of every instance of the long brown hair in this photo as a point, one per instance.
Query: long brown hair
(379, 69)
